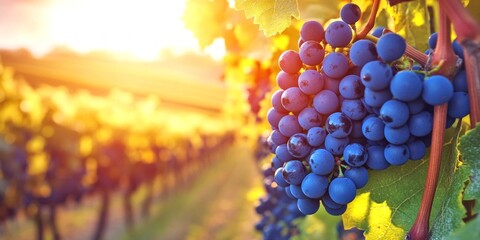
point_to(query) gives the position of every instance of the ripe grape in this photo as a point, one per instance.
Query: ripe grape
(355, 155)
(321, 162)
(294, 100)
(314, 186)
(338, 34)
(459, 105)
(350, 13)
(362, 52)
(309, 117)
(406, 86)
(359, 176)
(290, 62)
(335, 65)
(376, 75)
(316, 136)
(325, 102)
(311, 82)
(351, 87)
(312, 30)
(342, 190)
(298, 145)
(437, 90)
(311, 53)
(338, 125)
(391, 47)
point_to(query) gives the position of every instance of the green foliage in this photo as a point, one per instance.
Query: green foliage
(470, 149)
(273, 16)
(412, 21)
(318, 226)
(387, 207)
(469, 231)
(206, 19)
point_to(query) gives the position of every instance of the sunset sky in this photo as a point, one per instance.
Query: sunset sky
(141, 28)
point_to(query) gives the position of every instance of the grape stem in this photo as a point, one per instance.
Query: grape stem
(468, 34)
(370, 22)
(443, 63)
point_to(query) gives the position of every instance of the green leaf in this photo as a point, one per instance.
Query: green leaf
(273, 16)
(201, 13)
(469, 231)
(411, 20)
(469, 148)
(387, 207)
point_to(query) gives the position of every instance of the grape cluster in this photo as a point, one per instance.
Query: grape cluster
(349, 105)
(278, 210)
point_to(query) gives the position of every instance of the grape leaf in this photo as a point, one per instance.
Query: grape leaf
(273, 16)
(469, 231)
(469, 148)
(412, 21)
(199, 14)
(387, 206)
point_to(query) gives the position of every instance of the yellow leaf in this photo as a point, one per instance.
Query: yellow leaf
(273, 16)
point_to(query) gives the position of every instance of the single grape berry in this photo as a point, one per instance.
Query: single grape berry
(437, 90)
(311, 82)
(338, 125)
(335, 65)
(309, 117)
(314, 186)
(338, 34)
(391, 47)
(321, 162)
(394, 113)
(290, 62)
(312, 31)
(294, 172)
(351, 87)
(406, 86)
(350, 13)
(359, 176)
(342, 190)
(362, 52)
(325, 102)
(316, 136)
(294, 100)
(311, 53)
(376, 75)
(298, 145)
(308, 206)
(376, 158)
(355, 155)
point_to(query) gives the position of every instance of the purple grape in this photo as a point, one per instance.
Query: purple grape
(316, 136)
(277, 101)
(376, 158)
(362, 52)
(288, 125)
(294, 172)
(312, 30)
(354, 109)
(376, 75)
(325, 102)
(311, 82)
(355, 155)
(338, 125)
(338, 34)
(335, 65)
(311, 53)
(309, 118)
(391, 47)
(290, 62)
(287, 80)
(321, 162)
(294, 100)
(298, 145)
(351, 87)
(350, 13)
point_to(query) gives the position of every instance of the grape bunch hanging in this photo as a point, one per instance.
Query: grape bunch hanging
(348, 105)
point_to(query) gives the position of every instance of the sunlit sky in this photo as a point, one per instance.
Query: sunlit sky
(141, 28)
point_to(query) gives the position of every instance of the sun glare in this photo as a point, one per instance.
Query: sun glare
(141, 28)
